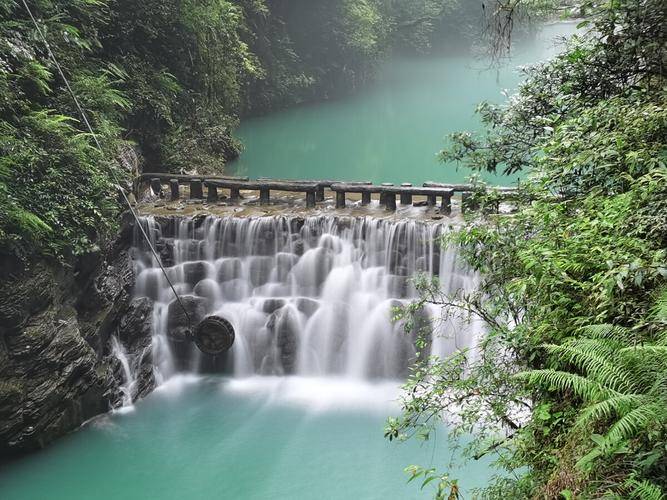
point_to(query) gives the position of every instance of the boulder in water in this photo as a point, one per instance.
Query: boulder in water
(270, 306)
(235, 290)
(178, 326)
(194, 272)
(207, 289)
(229, 269)
(260, 270)
(307, 305)
(284, 324)
(314, 267)
(284, 264)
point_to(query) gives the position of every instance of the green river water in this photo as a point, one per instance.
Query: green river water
(291, 438)
(393, 130)
(214, 438)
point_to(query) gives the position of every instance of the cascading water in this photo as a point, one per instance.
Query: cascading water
(129, 378)
(306, 296)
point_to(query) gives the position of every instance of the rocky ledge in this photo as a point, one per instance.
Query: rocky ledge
(56, 320)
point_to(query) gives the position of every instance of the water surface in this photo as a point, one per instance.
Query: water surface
(253, 439)
(392, 130)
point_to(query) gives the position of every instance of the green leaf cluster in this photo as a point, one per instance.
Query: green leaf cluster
(568, 390)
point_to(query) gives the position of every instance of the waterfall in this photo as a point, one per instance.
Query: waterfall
(129, 378)
(308, 296)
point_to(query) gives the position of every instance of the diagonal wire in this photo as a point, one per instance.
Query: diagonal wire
(99, 147)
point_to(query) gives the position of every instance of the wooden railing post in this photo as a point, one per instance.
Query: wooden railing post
(234, 194)
(310, 199)
(196, 192)
(340, 199)
(365, 198)
(320, 193)
(446, 206)
(390, 201)
(212, 193)
(406, 198)
(156, 187)
(175, 189)
(264, 196)
(384, 195)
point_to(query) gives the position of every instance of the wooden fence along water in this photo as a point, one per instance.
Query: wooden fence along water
(313, 190)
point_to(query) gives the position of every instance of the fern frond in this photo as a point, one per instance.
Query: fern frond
(645, 490)
(619, 405)
(583, 387)
(659, 309)
(588, 357)
(646, 350)
(27, 222)
(606, 331)
(635, 421)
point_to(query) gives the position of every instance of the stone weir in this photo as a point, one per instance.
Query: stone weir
(311, 296)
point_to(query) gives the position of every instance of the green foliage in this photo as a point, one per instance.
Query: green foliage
(569, 388)
(170, 76)
(55, 187)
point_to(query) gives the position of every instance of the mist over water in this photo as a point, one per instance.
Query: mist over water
(392, 130)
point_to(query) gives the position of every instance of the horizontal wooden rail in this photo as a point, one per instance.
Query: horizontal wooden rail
(184, 178)
(321, 184)
(388, 194)
(313, 189)
(467, 188)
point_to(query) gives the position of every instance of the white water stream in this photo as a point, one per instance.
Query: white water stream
(309, 297)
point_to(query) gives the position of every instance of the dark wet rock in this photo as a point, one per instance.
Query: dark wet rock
(331, 242)
(307, 305)
(260, 270)
(284, 264)
(296, 223)
(271, 305)
(24, 295)
(179, 323)
(135, 327)
(229, 269)
(194, 272)
(208, 289)
(314, 267)
(284, 326)
(234, 290)
(55, 323)
(296, 245)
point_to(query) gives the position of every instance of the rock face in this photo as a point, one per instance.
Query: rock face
(56, 369)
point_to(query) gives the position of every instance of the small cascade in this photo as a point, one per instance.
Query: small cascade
(307, 296)
(127, 388)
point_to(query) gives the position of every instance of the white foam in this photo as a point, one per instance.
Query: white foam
(319, 394)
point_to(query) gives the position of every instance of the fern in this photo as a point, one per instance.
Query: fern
(605, 331)
(583, 387)
(594, 357)
(645, 490)
(635, 421)
(622, 385)
(604, 410)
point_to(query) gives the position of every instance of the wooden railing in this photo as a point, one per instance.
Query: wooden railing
(313, 190)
